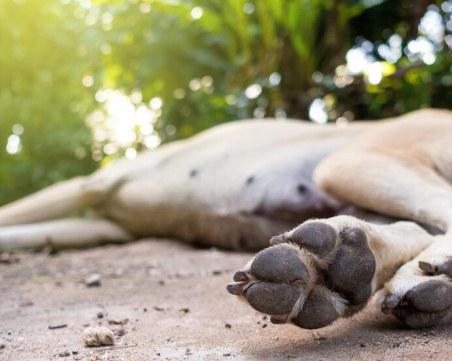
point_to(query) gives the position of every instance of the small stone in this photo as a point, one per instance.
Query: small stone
(64, 354)
(264, 325)
(26, 304)
(93, 280)
(8, 258)
(227, 354)
(98, 336)
(2, 346)
(217, 272)
(184, 310)
(362, 344)
(100, 315)
(54, 327)
(120, 332)
(228, 325)
(118, 273)
(74, 352)
(122, 322)
(396, 344)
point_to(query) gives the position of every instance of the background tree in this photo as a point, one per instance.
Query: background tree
(85, 81)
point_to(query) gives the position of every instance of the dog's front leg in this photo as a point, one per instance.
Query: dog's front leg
(326, 269)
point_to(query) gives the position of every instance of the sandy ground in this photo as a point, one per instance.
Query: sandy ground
(167, 301)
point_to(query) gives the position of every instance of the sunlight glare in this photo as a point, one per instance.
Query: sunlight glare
(18, 129)
(88, 81)
(357, 61)
(196, 13)
(123, 122)
(145, 8)
(375, 73)
(131, 153)
(431, 25)
(248, 8)
(13, 145)
(253, 91)
(156, 103)
(274, 79)
(152, 141)
(317, 111)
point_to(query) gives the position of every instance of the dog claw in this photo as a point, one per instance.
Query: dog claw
(443, 268)
(278, 239)
(391, 301)
(428, 268)
(235, 289)
(241, 276)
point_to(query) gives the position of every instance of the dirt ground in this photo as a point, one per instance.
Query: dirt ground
(167, 301)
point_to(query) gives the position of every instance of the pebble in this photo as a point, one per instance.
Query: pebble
(8, 258)
(122, 322)
(120, 332)
(65, 354)
(93, 280)
(54, 327)
(98, 336)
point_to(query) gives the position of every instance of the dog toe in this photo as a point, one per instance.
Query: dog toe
(316, 237)
(318, 311)
(272, 298)
(430, 296)
(353, 267)
(279, 264)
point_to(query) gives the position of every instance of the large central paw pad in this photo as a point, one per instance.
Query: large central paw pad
(310, 276)
(428, 302)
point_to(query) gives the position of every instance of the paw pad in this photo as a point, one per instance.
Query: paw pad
(316, 237)
(309, 275)
(279, 264)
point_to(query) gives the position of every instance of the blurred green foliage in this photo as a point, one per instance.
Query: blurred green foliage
(180, 66)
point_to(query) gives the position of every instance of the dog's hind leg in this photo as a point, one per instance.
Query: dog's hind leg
(61, 234)
(57, 201)
(389, 184)
(326, 269)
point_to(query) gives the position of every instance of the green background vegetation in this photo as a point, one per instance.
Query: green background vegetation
(192, 64)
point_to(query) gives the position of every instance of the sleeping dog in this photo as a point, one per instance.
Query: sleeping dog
(241, 184)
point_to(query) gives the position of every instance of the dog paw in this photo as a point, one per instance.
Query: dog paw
(423, 297)
(310, 276)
